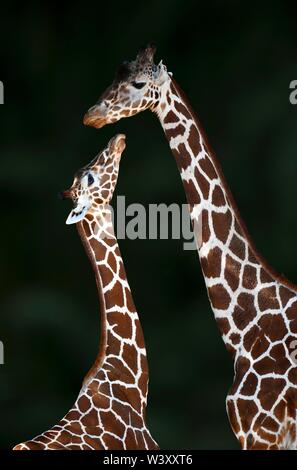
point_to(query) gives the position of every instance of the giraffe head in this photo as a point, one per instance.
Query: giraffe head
(137, 86)
(94, 184)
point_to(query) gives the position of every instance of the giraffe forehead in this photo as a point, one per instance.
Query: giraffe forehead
(134, 72)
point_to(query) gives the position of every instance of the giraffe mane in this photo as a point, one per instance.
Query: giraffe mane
(273, 273)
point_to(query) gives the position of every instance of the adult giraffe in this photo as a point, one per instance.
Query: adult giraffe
(109, 412)
(255, 308)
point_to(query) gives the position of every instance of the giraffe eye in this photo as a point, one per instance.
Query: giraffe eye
(138, 85)
(90, 179)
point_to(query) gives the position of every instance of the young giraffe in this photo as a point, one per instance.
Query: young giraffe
(255, 308)
(109, 412)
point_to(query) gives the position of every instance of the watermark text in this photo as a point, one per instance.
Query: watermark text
(1, 353)
(152, 222)
(1, 93)
(293, 94)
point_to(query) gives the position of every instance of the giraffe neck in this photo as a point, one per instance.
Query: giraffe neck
(122, 338)
(230, 263)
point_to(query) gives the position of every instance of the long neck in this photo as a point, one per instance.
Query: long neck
(231, 266)
(122, 343)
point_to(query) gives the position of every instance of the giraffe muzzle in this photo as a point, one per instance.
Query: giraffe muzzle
(94, 118)
(66, 194)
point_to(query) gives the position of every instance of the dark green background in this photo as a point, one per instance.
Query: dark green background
(235, 62)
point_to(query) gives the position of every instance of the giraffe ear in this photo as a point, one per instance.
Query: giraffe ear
(77, 214)
(146, 54)
(162, 74)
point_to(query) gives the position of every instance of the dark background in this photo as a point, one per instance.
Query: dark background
(235, 62)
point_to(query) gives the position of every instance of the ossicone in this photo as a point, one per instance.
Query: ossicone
(146, 54)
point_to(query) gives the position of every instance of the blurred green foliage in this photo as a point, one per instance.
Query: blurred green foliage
(235, 61)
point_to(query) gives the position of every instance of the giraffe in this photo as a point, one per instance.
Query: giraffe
(254, 307)
(109, 412)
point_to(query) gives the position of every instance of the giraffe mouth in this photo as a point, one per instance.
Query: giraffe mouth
(67, 194)
(92, 119)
